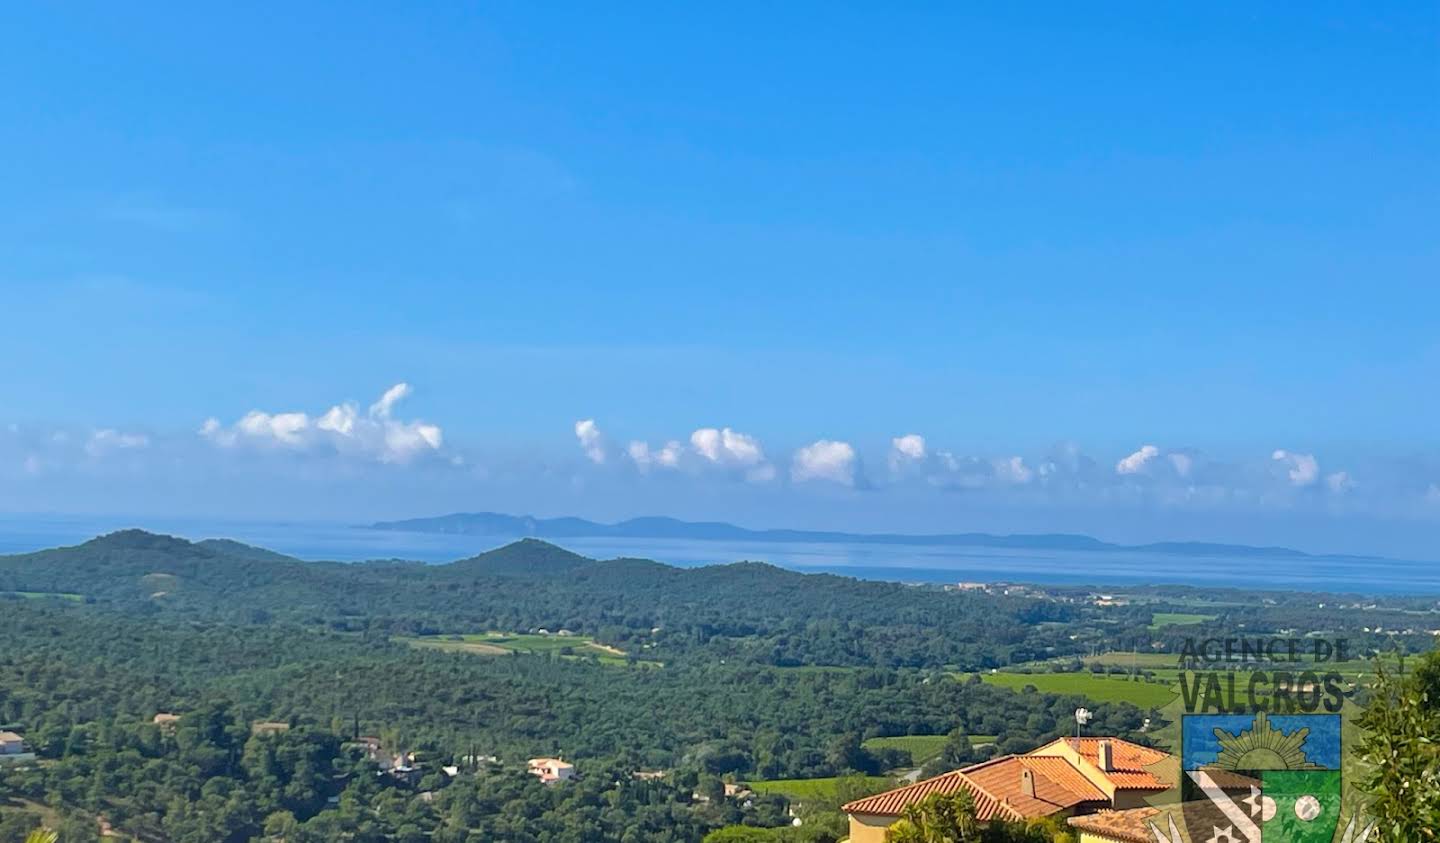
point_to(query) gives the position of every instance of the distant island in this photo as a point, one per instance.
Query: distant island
(654, 527)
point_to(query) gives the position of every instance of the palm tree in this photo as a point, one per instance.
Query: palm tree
(42, 835)
(938, 819)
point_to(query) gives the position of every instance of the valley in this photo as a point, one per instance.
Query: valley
(673, 692)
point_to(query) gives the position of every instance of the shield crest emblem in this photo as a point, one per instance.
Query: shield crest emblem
(1261, 778)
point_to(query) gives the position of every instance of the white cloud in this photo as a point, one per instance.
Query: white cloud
(591, 441)
(403, 441)
(1014, 471)
(1182, 463)
(639, 453)
(731, 449)
(104, 441)
(1136, 462)
(727, 447)
(666, 456)
(381, 409)
(285, 428)
(1339, 482)
(906, 450)
(213, 430)
(956, 472)
(1302, 469)
(340, 419)
(825, 460)
(738, 454)
(376, 435)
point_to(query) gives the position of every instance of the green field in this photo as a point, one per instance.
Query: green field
(1164, 668)
(1097, 688)
(503, 643)
(824, 789)
(1160, 620)
(1145, 661)
(922, 748)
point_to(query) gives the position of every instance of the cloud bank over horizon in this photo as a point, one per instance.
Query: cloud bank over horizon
(912, 480)
(374, 435)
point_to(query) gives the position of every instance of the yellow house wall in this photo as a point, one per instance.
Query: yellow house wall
(1091, 837)
(869, 828)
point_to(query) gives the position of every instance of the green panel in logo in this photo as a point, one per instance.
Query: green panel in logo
(1300, 807)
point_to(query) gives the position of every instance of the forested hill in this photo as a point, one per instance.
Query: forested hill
(133, 566)
(500, 525)
(745, 610)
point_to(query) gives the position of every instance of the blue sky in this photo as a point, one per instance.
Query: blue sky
(1053, 233)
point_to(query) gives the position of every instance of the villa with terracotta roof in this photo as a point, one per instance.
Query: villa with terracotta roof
(1067, 777)
(551, 770)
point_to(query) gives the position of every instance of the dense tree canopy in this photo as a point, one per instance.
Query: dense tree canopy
(765, 674)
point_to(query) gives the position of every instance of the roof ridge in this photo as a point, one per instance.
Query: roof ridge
(988, 761)
(903, 788)
(1068, 738)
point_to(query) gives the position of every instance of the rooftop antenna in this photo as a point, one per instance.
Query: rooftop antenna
(1082, 717)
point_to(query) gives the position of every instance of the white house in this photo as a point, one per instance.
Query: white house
(551, 770)
(11, 743)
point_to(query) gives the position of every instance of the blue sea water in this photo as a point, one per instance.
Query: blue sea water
(905, 563)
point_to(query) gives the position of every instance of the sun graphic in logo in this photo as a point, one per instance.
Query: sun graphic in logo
(1263, 747)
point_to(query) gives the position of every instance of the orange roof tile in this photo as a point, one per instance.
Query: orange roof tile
(996, 787)
(1064, 774)
(1127, 826)
(1131, 762)
(893, 803)
(1058, 785)
(1130, 757)
(1137, 781)
(1133, 826)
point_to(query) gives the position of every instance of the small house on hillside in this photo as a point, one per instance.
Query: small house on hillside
(402, 767)
(11, 744)
(551, 770)
(166, 721)
(367, 744)
(269, 727)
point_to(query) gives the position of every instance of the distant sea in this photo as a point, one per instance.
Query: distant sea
(901, 563)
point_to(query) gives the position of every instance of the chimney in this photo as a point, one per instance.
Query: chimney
(1027, 782)
(1107, 757)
